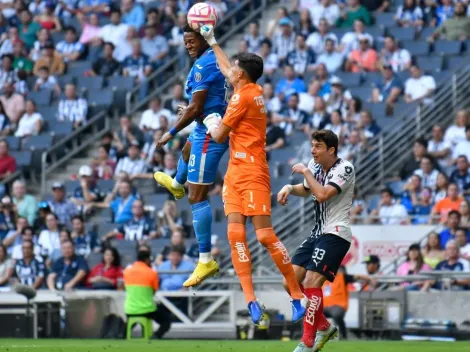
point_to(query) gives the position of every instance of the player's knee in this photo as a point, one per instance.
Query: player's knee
(314, 280)
(236, 233)
(266, 236)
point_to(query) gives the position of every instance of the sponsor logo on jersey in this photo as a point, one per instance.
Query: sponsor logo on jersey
(199, 66)
(242, 252)
(240, 155)
(235, 98)
(197, 77)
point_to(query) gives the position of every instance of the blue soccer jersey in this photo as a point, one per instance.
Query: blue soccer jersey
(28, 273)
(205, 153)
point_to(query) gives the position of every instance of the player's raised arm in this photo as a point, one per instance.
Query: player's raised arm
(296, 190)
(207, 31)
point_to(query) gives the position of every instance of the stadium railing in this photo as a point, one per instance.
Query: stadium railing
(170, 72)
(67, 148)
(392, 147)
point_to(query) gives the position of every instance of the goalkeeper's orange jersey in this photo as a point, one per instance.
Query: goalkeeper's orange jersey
(246, 116)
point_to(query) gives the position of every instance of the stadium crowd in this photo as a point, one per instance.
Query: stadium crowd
(327, 65)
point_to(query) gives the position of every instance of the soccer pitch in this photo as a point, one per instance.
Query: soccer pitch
(11, 345)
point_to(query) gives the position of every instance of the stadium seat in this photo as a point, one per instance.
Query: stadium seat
(120, 86)
(61, 128)
(372, 202)
(426, 33)
(64, 80)
(14, 143)
(157, 200)
(429, 64)
(78, 68)
(23, 158)
(441, 77)
(447, 47)
(349, 79)
(58, 36)
(455, 62)
(401, 33)
(376, 32)
(105, 186)
(384, 19)
(416, 48)
(371, 78)
(339, 32)
(90, 83)
(364, 93)
(376, 109)
(94, 259)
(158, 244)
(404, 75)
(71, 185)
(42, 141)
(384, 122)
(101, 99)
(48, 113)
(124, 246)
(102, 228)
(41, 97)
(396, 186)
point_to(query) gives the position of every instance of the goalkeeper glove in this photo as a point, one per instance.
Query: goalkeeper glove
(207, 31)
(212, 121)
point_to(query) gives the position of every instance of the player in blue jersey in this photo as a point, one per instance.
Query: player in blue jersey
(198, 164)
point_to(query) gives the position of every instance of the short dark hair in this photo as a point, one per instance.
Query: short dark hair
(467, 128)
(461, 229)
(267, 42)
(188, 29)
(30, 242)
(388, 191)
(422, 141)
(463, 156)
(27, 228)
(70, 29)
(328, 137)
(110, 44)
(454, 212)
(252, 64)
(143, 256)
(178, 249)
(115, 10)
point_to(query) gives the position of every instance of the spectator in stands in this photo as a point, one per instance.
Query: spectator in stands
(393, 55)
(432, 251)
(419, 88)
(350, 40)
(99, 7)
(87, 192)
(122, 205)
(253, 38)
(8, 216)
(7, 40)
(141, 283)
(51, 59)
(302, 58)
(20, 61)
(45, 81)
(25, 203)
(127, 134)
(73, 108)
(320, 116)
(107, 141)
(464, 210)
(410, 14)
(353, 148)
(106, 275)
(463, 147)
(463, 242)
(44, 38)
(354, 11)
(103, 166)
(317, 40)
(337, 124)
(132, 14)
(453, 224)
(31, 122)
(176, 40)
(12, 226)
(7, 162)
(325, 10)
(85, 241)
(441, 187)
(90, 30)
(413, 265)
(338, 98)
(177, 99)
(412, 163)
(411, 192)
(330, 57)
(453, 263)
(169, 220)
(368, 124)
(6, 265)
(13, 103)
(177, 239)
(5, 127)
(133, 164)
(49, 240)
(155, 46)
(47, 19)
(427, 172)
(28, 28)
(60, 205)
(29, 270)
(456, 133)
(69, 271)
(291, 118)
(271, 101)
(389, 212)
(115, 31)
(138, 66)
(270, 59)
(320, 84)
(175, 262)
(70, 48)
(289, 84)
(27, 234)
(275, 135)
(422, 209)
(284, 40)
(150, 120)
(438, 148)
(461, 176)
(149, 149)
(446, 205)
(388, 89)
(139, 228)
(7, 73)
(362, 59)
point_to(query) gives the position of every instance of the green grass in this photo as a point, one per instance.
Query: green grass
(11, 345)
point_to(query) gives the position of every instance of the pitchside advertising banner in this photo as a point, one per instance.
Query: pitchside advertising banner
(387, 242)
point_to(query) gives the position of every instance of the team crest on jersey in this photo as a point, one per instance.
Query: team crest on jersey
(235, 98)
(197, 77)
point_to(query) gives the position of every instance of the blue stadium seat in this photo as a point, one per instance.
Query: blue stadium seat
(384, 122)
(158, 244)
(90, 83)
(396, 186)
(23, 158)
(441, 77)
(340, 32)
(156, 200)
(124, 246)
(42, 141)
(426, 33)
(14, 143)
(30, 81)
(94, 259)
(102, 98)
(447, 47)
(404, 75)
(71, 185)
(78, 68)
(416, 48)
(402, 33)
(57, 37)
(349, 79)
(61, 128)
(102, 228)
(384, 19)
(376, 109)
(64, 80)
(105, 186)
(371, 78)
(120, 86)
(41, 97)
(364, 93)
(376, 32)
(429, 64)
(454, 62)
(48, 113)
(372, 202)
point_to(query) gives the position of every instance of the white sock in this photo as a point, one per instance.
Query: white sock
(205, 258)
(176, 184)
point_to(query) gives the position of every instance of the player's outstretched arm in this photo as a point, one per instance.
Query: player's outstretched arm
(207, 31)
(296, 190)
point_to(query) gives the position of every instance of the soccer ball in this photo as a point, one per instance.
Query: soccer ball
(201, 14)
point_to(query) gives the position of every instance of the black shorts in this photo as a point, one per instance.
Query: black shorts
(322, 254)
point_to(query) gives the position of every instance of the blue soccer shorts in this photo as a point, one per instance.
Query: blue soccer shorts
(205, 157)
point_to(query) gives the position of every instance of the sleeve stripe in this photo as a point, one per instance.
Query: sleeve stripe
(338, 188)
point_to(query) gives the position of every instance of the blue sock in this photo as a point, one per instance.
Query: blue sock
(202, 222)
(181, 171)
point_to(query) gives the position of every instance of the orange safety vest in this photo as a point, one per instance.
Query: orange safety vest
(336, 293)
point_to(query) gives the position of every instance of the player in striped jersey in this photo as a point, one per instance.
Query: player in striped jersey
(330, 181)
